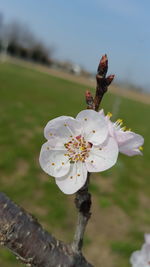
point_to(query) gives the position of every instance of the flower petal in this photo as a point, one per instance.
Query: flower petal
(146, 251)
(62, 127)
(54, 162)
(95, 129)
(101, 112)
(74, 180)
(147, 238)
(137, 259)
(102, 157)
(129, 142)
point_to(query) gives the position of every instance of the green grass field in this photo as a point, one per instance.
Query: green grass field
(121, 203)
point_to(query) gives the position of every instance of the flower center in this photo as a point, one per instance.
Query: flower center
(78, 149)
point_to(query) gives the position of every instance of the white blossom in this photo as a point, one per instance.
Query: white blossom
(141, 258)
(75, 147)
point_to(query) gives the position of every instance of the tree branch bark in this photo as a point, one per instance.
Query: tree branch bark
(21, 233)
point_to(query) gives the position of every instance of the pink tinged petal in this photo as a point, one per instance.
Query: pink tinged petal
(129, 143)
(62, 128)
(54, 162)
(74, 180)
(95, 129)
(147, 238)
(102, 157)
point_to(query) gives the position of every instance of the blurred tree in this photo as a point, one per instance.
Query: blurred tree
(18, 40)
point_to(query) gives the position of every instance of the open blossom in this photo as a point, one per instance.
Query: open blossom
(141, 258)
(129, 143)
(75, 147)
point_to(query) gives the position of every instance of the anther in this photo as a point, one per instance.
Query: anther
(53, 163)
(120, 121)
(62, 163)
(123, 128)
(93, 131)
(109, 114)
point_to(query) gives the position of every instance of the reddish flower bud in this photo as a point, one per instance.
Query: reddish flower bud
(103, 66)
(109, 79)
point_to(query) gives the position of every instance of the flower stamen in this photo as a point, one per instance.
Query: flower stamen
(78, 149)
(109, 114)
(119, 122)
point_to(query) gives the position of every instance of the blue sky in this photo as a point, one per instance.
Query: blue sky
(83, 30)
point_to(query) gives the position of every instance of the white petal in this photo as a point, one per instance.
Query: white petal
(111, 128)
(147, 238)
(101, 112)
(129, 143)
(54, 162)
(62, 127)
(102, 157)
(137, 259)
(74, 180)
(146, 251)
(95, 129)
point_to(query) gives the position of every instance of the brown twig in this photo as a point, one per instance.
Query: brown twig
(102, 81)
(83, 198)
(24, 236)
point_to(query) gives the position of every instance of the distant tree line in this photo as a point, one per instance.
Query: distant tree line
(17, 40)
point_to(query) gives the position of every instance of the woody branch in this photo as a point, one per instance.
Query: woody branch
(24, 236)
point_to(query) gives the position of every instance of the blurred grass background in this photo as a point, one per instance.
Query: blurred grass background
(121, 210)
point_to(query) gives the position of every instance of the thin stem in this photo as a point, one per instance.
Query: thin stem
(83, 204)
